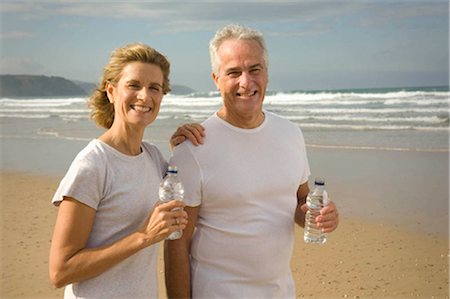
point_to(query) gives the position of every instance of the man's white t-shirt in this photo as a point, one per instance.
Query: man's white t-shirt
(123, 190)
(245, 182)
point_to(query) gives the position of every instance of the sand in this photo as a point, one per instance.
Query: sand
(361, 259)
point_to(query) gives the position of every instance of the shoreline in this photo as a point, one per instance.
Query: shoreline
(362, 259)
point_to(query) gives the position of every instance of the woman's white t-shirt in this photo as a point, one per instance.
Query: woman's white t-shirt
(123, 190)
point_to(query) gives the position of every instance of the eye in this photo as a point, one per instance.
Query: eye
(255, 71)
(134, 86)
(234, 74)
(156, 88)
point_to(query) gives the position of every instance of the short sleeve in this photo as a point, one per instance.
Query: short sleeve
(84, 182)
(189, 173)
(306, 169)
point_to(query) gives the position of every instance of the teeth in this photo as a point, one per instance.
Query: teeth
(249, 94)
(140, 108)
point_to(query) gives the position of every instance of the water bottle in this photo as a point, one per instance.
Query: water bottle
(316, 200)
(171, 188)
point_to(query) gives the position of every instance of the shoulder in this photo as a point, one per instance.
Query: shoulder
(155, 154)
(93, 160)
(94, 151)
(150, 148)
(279, 121)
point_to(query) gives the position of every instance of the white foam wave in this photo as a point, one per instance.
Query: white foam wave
(182, 102)
(383, 148)
(372, 127)
(352, 118)
(356, 96)
(17, 115)
(368, 110)
(44, 110)
(41, 102)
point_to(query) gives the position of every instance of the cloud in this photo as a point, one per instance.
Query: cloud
(20, 65)
(218, 10)
(16, 35)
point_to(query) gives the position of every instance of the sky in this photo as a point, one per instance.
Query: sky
(312, 45)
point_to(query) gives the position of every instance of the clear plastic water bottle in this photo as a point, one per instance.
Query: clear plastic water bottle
(316, 200)
(171, 188)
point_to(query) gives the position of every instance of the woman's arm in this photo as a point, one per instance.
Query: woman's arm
(71, 262)
(192, 132)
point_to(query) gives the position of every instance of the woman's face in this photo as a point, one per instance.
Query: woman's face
(137, 95)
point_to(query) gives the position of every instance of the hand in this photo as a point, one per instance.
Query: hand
(193, 132)
(328, 219)
(164, 220)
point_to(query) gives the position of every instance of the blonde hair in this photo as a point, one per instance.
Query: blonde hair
(234, 31)
(101, 110)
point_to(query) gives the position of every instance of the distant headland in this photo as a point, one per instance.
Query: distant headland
(21, 86)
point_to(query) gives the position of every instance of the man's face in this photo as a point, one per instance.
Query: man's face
(242, 78)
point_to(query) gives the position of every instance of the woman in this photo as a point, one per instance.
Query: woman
(108, 217)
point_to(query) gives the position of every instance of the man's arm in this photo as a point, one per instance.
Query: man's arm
(176, 260)
(300, 212)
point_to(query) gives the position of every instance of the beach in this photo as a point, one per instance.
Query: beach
(384, 156)
(378, 251)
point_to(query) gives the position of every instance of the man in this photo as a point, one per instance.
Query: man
(245, 186)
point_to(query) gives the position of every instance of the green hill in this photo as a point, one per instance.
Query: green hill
(37, 86)
(20, 86)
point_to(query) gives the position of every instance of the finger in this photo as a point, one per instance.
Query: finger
(328, 216)
(199, 128)
(171, 205)
(328, 209)
(304, 207)
(177, 139)
(189, 135)
(180, 215)
(181, 221)
(194, 132)
(329, 223)
(177, 224)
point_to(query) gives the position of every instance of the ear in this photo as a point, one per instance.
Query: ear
(216, 80)
(110, 91)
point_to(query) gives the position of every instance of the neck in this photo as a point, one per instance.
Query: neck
(126, 141)
(251, 121)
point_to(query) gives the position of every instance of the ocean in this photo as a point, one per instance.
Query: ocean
(402, 119)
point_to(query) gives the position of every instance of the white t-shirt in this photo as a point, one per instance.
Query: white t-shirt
(245, 182)
(123, 190)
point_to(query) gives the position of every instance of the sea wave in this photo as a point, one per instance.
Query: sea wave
(408, 109)
(373, 127)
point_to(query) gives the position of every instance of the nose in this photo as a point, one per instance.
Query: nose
(144, 94)
(244, 79)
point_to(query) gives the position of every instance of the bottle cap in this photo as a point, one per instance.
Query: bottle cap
(172, 169)
(319, 181)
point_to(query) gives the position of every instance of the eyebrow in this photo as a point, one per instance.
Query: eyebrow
(233, 69)
(139, 82)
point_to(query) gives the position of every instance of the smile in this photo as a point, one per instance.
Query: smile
(249, 94)
(140, 108)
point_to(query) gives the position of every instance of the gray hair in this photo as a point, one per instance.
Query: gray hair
(234, 31)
